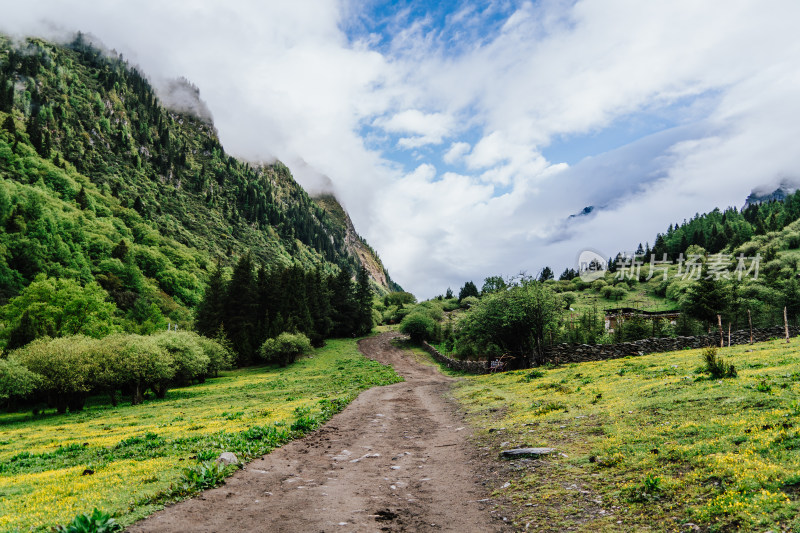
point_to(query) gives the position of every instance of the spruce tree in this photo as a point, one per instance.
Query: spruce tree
(240, 310)
(10, 126)
(296, 302)
(34, 131)
(82, 199)
(265, 302)
(120, 251)
(469, 289)
(706, 299)
(547, 273)
(343, 305)
(211, 309)
(363, 302)
(6, 94)
(319, 305)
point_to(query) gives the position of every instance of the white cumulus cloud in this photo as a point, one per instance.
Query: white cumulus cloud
(695, 102)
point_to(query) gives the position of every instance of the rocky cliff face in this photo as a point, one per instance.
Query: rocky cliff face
(355, 245)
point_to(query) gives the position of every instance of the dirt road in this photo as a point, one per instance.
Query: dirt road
(396, 459)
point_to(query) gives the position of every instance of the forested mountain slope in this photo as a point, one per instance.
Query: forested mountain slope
(101, 182)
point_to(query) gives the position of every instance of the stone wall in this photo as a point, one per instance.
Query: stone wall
(472, 367)
(579, 353)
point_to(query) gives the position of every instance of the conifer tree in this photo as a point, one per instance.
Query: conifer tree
(211, 310)
(34, 131)
(319, 305)
(363, 302)
(240, 310)
(547, 273)
(706, 299)
(10, 126)
(82, 199)
(6, 94)
(343, 305)
(469, 289)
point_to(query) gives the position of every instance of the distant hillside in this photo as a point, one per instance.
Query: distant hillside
(102, 182)
(758, 196)
(762, 241)
(728, 230)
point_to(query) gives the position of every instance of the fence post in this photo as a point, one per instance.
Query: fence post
(786, 324)
(729, 334)
(721, 336)
(750, 321)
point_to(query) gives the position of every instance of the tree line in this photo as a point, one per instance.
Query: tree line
(259, 303)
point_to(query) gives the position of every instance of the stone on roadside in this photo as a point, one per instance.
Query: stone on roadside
(527, 451)
(227, 458)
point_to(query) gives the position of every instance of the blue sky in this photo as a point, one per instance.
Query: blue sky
(461, 136)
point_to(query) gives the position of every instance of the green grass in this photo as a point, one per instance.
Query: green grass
(424, 358)
(641, 297)
(650, 443)
(139, 453)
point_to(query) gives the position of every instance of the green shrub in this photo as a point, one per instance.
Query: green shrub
(469, 301)
(579, 285)
(420, 327)
(515, 321)
(189, 359)
(16, 380)
(450, 305)
(67, 366)
(219, 354)
(57, 307)
(614, 293)
(205, 475)
(179, 284)
(431, 309)
(715, 366)
(97, 522)
(650, 489)
(305, 421)
(568, 298)
(533, 374)
(377, 318)
(285, 348)
(135, 363)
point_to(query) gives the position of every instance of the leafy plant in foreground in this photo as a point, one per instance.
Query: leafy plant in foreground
(97, 522)
(305, 420)
(206, 475)
(650, 489)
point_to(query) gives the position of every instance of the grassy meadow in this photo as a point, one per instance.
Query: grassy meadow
(138, 454)
(650, 443)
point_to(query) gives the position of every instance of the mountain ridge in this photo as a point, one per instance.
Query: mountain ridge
(85, 142)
